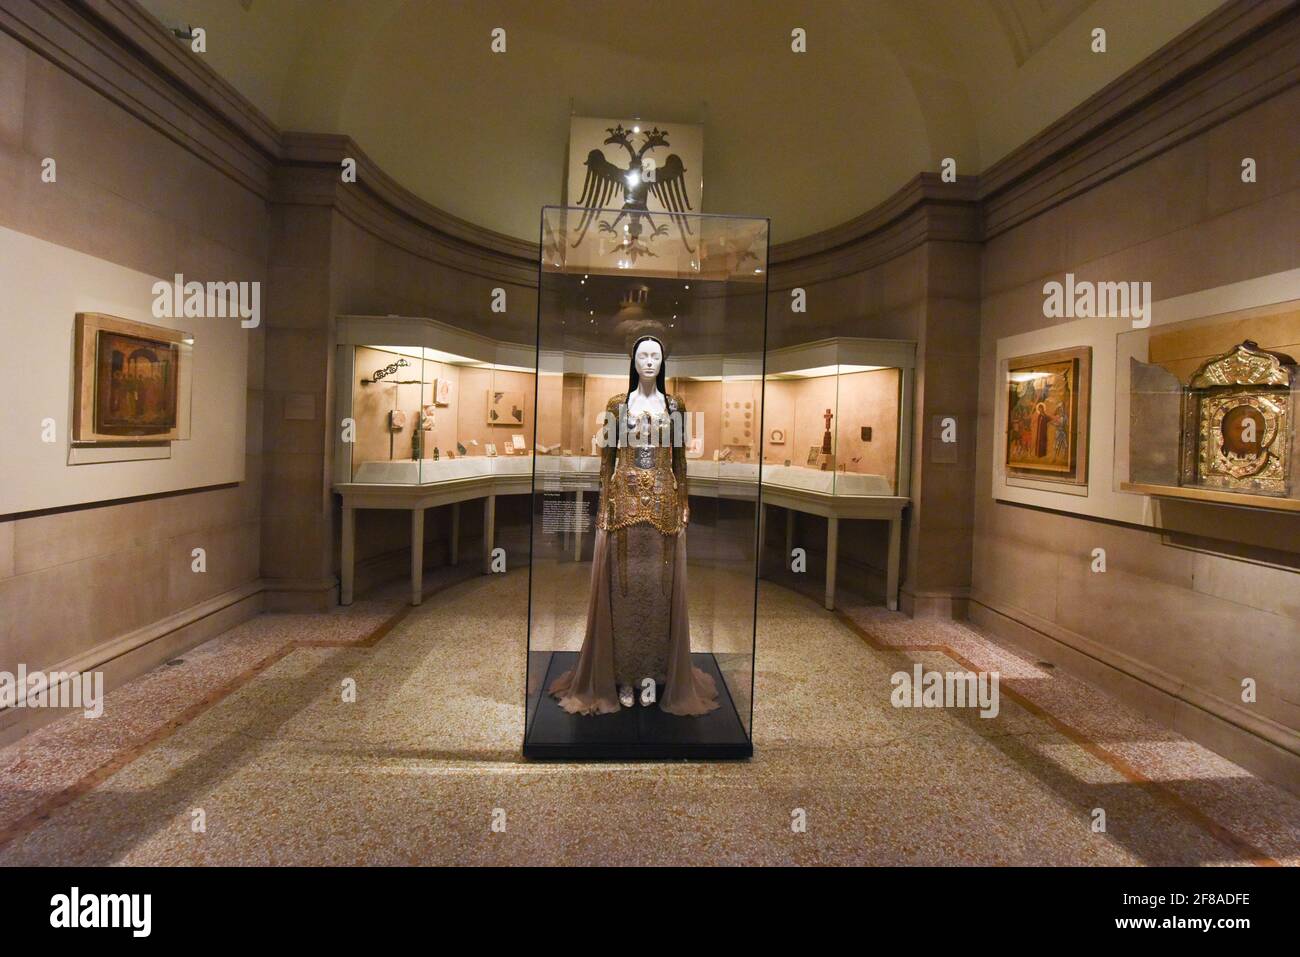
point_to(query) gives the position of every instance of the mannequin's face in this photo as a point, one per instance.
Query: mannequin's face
(648, 359)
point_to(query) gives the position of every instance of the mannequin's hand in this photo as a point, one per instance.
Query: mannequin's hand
(686, 515)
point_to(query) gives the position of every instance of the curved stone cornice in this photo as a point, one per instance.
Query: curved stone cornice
(118, 50)
(310, 172)
(925, 210)
(1239, 56)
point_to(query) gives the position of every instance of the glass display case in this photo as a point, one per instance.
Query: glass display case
(646, 487)
(421, 403)
(427, 415)
(1206, 409)
(838, 417)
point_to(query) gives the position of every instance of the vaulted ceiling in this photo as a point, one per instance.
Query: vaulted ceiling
(886, 89)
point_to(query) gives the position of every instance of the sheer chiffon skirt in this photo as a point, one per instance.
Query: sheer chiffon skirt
(647, 630)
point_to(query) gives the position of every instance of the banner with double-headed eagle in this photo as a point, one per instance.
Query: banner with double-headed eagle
(633, 185)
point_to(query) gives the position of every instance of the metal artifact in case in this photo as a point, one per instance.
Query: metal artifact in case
(1238, 422)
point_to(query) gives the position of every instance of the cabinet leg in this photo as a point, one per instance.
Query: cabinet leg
(348, 560)
(489, 531)
(417, 555)
(832, 559)
(762, 537)
(891, 571)
(453, 545)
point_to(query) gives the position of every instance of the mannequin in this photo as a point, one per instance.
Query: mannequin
(638, 630)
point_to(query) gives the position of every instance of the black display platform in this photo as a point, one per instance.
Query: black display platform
(635, 733)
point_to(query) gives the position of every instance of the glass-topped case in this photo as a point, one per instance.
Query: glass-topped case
(646, 492)
(1206, 408)
(422, 402)
(837, 416)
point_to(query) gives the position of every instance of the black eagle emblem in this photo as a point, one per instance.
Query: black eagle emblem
(642, 178)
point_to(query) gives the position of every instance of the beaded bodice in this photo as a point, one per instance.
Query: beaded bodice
(643, 479)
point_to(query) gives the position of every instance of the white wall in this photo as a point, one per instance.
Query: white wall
(42, 288)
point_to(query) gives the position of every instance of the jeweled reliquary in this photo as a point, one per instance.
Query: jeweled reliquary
(1238, 415)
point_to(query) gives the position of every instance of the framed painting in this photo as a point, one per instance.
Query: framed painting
(131, 380)
(1047, 415)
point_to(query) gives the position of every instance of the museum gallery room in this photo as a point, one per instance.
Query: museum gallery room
(729, 433)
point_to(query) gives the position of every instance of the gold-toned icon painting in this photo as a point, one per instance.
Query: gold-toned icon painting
(1237, 435)
(1047, 415)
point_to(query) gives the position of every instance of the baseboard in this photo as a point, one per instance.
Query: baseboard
(300, 594)
(950, 603)
(851, 575)
(1262, 746)
(396, 564)
(322, 594)
(130, 655)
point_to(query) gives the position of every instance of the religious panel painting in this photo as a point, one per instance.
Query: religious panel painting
(129, 381)
(1047, 415)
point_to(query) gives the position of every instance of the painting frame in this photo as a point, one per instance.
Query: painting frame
(100, 341)
(1047, 415)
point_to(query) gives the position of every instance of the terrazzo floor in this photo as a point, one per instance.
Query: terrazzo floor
(251, 735)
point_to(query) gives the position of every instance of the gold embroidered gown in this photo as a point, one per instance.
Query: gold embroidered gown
(637, 621)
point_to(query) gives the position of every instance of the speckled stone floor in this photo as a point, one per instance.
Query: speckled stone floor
(251, 735)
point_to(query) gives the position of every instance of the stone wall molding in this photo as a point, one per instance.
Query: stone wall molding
(1240, 55)
(309, 172)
